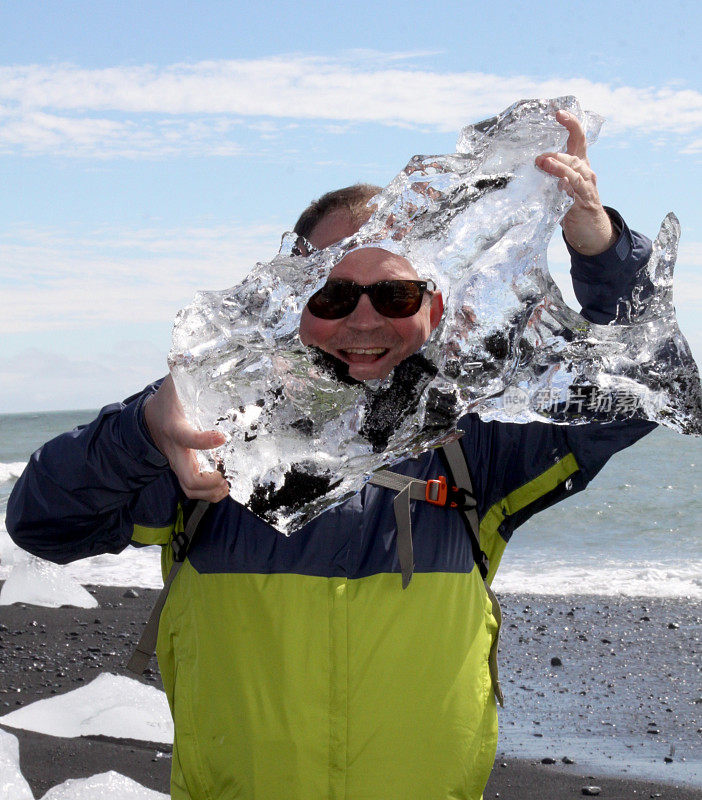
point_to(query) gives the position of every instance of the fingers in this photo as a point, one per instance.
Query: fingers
(185, 436)
(178, 440)
(577, 142)
(586, 225)
(196, 484)
(575, 175)
(549, 162)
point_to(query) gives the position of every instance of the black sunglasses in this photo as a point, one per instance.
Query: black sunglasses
(395, 299)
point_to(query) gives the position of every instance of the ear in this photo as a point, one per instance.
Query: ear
(437, 309)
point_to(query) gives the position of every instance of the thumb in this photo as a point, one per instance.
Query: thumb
(198, 440)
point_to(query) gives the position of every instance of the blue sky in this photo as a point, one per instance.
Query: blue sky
(151, 149)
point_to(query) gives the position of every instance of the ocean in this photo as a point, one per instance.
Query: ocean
(635, 531)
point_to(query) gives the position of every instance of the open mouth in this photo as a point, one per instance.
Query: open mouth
(363, 355)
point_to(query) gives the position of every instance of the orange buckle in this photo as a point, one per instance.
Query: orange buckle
(436, 491)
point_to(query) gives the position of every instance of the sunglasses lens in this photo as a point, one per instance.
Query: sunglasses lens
(336, 299)
(397, 299)
(394, 299)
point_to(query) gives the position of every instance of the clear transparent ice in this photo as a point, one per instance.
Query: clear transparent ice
(302, 437)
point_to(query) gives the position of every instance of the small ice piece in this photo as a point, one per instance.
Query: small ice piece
(302, 436)
(41, 583)
(13, 786)
(111, 705)
(105, 786)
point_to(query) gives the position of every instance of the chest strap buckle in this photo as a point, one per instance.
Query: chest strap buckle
(436, 491)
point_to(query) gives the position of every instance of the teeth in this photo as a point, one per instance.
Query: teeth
(366, 351)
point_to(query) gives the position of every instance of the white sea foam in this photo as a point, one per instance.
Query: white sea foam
(645, 579)
(680, 578)
(111, 705)
(9, 472)
(133, 567)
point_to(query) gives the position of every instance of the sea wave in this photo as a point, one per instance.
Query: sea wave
(613, 579)
(142, 567)
(11, 471)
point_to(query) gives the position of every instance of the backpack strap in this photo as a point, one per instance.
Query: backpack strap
(407, 489)
(180, 544)
(457, 468)
(456, 493)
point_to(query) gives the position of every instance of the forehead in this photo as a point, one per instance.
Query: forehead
(371, 264)
(332, 228)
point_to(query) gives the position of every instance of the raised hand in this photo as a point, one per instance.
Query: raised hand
(178, 441)
(587, 226)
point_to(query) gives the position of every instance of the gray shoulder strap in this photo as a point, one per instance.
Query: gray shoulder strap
(457, 463)
(415, 489)
(407, 489)
(459, 467)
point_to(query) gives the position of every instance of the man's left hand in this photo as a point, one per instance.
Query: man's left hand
(587, 226)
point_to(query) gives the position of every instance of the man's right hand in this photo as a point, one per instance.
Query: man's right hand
(178, 440)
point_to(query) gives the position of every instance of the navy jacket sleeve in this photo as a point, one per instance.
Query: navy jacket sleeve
(82, 493)
(507, 457)
(600, 281)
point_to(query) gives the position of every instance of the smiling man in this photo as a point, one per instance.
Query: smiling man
(298, 667)
(350, 325)
(373, 312)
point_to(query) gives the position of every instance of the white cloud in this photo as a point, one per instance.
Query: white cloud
(119, 276)
(75, 279)
(196, 108)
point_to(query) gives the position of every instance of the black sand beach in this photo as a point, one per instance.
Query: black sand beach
(625, 696)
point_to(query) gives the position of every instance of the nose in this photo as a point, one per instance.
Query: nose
(364, 316)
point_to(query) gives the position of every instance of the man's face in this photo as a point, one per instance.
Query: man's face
(371, 344)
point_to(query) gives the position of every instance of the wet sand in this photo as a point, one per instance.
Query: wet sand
(628, 668)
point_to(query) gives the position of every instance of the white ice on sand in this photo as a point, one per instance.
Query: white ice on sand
(41, 583)
(106, 786)
(111, 705)
(12, 783)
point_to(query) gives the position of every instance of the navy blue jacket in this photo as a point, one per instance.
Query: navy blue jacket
(83, 492)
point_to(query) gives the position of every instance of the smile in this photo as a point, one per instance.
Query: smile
(356, 355)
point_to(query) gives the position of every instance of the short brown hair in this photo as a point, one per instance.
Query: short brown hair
(353, 199)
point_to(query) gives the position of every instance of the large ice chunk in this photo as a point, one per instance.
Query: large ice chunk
(111, 705)
(41, 583)
(303, 436)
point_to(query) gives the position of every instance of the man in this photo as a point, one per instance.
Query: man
(297, 667)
